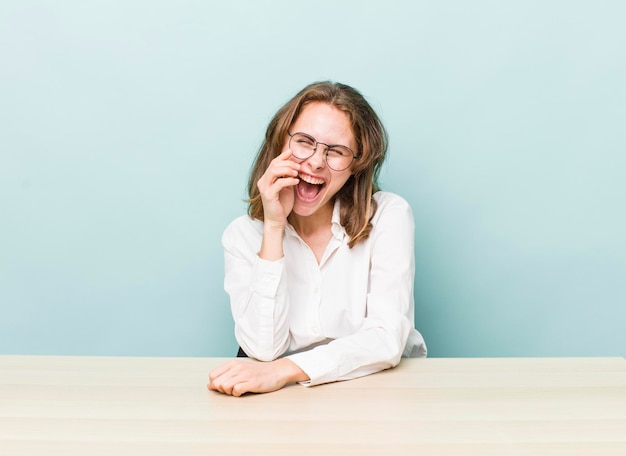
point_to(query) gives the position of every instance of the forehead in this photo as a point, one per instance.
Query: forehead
(325, 123)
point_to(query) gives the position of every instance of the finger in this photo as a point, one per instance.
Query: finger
(215, 383)
(284, 182)
(285, 171)
(286, 158)
(220, 370)
(285, 154)
(284, 167)
(240, 388)
(271, 190)
(221, 375)
(221, 385)
(230, 384)
(272, 175)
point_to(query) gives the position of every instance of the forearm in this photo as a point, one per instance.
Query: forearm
(377, 346)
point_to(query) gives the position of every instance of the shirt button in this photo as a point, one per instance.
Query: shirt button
(315, 330)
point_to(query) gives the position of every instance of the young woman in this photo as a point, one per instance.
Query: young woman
(320, 272)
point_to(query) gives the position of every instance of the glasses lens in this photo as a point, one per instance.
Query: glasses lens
(339, 158)
(302, 146)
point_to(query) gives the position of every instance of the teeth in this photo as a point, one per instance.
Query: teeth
(311, 179)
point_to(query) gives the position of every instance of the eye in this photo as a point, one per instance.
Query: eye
(339, 152)
(304, 140)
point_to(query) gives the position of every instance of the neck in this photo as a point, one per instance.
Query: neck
(310, 224)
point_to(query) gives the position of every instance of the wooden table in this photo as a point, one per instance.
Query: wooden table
(160, 406)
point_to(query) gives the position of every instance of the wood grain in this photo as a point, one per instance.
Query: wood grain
(160, 406)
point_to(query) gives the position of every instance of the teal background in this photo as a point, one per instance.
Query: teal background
(127, 130)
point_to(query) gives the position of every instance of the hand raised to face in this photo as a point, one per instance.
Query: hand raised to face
(276, 187)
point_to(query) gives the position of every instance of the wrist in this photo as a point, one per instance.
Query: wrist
(292, 371)
(273, 226)
(272, 243)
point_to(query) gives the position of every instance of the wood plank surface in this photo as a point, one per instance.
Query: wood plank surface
(161, 406)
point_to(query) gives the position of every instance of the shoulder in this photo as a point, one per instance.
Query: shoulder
(242, 230)
(393, 228)
(391, 203)
(389, 198)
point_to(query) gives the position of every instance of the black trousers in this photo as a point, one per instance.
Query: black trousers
(241, 353)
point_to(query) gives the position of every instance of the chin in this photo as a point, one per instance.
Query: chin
(302, 209)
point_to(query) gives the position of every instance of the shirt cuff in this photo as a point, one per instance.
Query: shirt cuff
(316, 363)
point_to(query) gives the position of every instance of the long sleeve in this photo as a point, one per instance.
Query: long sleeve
(258, 292)
(347, 316)
(380, 340)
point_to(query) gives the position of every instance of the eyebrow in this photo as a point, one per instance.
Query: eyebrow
(319, 142)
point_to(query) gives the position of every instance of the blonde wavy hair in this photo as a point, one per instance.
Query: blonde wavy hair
(357, 205)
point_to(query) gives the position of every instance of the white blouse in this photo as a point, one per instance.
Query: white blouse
(348, 316)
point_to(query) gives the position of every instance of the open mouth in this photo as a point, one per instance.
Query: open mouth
(309, 187)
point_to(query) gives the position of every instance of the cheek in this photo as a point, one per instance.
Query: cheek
(295, 160)
(285, 149)
(341, 180)
(286, 144)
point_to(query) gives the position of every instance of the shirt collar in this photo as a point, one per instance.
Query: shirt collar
(338, 231)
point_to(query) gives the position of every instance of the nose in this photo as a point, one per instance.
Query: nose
(318, 159)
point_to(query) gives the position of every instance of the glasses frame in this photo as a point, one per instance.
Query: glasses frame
(328, 147)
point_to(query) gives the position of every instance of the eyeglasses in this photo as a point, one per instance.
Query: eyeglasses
(337, 157)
